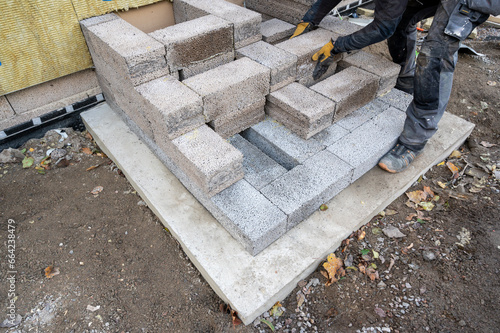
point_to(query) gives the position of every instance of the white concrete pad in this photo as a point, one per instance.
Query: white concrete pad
(251, 285)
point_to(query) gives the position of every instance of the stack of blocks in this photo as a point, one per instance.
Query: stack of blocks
(189, 89)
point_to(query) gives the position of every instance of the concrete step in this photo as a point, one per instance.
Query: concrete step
(252, 284)
(275, 31)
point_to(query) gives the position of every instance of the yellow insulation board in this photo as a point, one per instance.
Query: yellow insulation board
(41, 40)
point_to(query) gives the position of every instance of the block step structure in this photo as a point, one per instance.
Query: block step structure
(188, 90)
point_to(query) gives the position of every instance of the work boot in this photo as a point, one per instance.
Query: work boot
(405, 84)
(398, 158)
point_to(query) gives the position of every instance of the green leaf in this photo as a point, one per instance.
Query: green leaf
(365, 251)
(372, 265)
(376, 231)
(28, 162)
(420, 221)
(23, 151)
(323, 207)
(271, 326)
(375, 254)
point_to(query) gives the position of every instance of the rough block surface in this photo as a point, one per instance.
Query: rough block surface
(362, 115)
(209, 161)
(250, 217)
(302, 110)
(281, 144)
(329, 135)
(197, 41)
(360, 150)
(275, 30)
(286, 10)
(338, 26)
(350, 89)
(283, 65)
(246, 22)
(304, 189)
(385, 69)
(6, 110)
(304, 47)
(397, 98)
(230, 87)
(172, 108)
(259, 168)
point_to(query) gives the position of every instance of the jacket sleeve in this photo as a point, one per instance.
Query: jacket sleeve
(491, 7)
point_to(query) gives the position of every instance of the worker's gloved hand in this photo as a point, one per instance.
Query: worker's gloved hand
(324, 57)
(302, 28)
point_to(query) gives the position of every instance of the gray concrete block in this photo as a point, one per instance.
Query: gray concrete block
(302, 190)
(385, 69)
(364, 147)
(172, 108)
(6, 110)
(126, 49)
(259, 168)
(302, 110)
(330, 135)
(397, 98)
(230, 87)
(246, 22)
(281, 144)
(209, 161)
(286, 10)
(283, 65)
(249, 217)
(304, 47)
(87, 23)
(362, 115)
(239, 120)
(338, 26)
(350, 89)
(205, 65)
(189, 45)
(275, 30)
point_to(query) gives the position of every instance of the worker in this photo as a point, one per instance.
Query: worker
(429, 78)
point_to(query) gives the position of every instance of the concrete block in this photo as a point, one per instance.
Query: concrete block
(239, 120)
(98, 20)
(397, 98)
(281, 144)
(259, 168)
(172, 108)
(124, 48)
(286, 10)
(275, 30)
(386, 70)
(362, 115)
(301, 191)
(302, 110)
(330, 135)
(350, 89)
(249, 217)
(338, 26)
(6, 110)
(304, 47)
(364, 147)
(205, 65)
(189, 45)
(283, 65)
(230, 87)
(246, 22)
(209, 161)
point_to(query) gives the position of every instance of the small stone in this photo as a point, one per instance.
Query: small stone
(141, 203)
(11, 322)
(393, 232)
(462, 323)
(429, 255)
(381, 285)
(11, 155)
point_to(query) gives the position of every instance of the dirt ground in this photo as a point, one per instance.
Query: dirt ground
(116, 269)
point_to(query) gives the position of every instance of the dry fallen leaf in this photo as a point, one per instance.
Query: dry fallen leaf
(300, 299)
(453, 169)
(334, 268)
(88, 136)
(487, 144)
(323, 207)
(441, 184)
(416, 196)
(372, 273)
(361, 235)
(97, 190)
(427, 206)
(87, 151)
(51, 271)
(390, 212)
(428, 191)
(455, 154)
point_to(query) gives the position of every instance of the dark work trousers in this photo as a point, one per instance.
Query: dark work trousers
(433, 72)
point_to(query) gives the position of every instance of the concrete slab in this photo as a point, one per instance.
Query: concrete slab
(397, 98)
(362, 115)
(252, 284)
(6, 110)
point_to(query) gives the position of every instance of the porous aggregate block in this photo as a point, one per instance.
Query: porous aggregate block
(338, 26)
(249, 216)
(197, 45)
(283, 65)
(350, 89)
(259, 168)
(172, 108)
(209, 161)
(281, 144)
(125, 49)
(286, 10)
(275, 30)
(302, 190)
(397, 98)
(304, 47)
(230, 87)
(302, 110)
(362, 115)
(246, 22)
(363, 147)
(385, 69)
(235, 122)
(329, 135)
